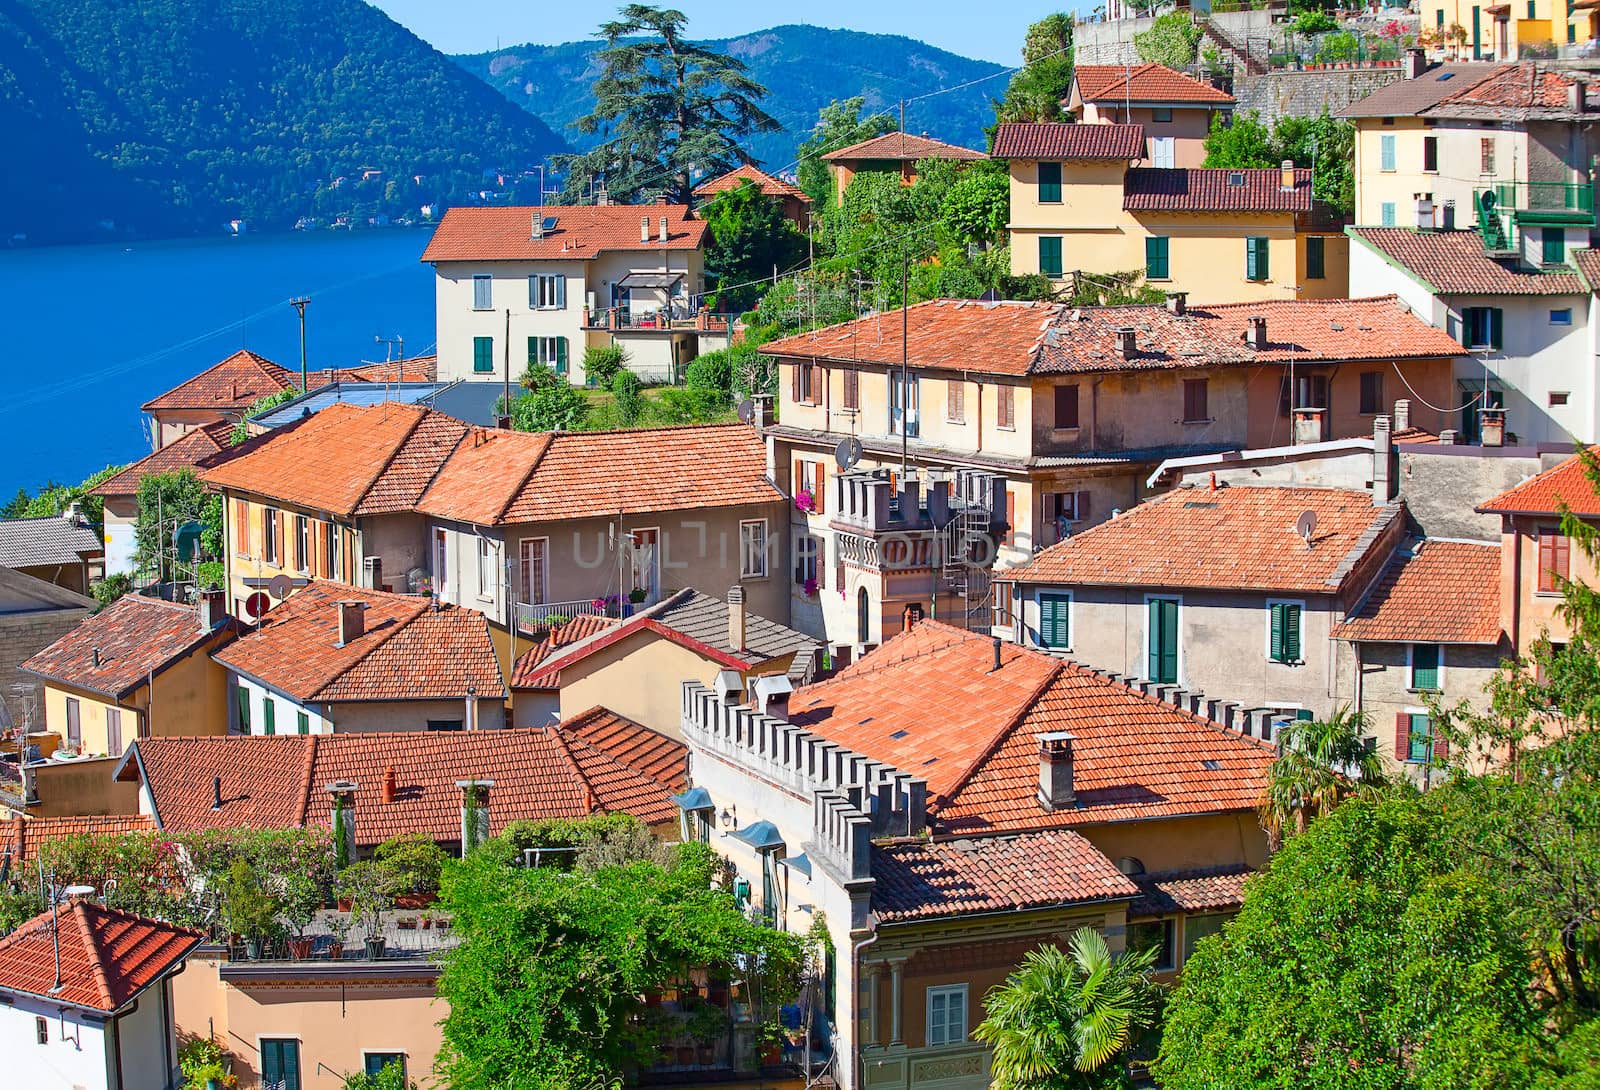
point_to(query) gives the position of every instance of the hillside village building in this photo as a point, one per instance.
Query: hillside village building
(1175, 111)
(796, 206)
(60, 549)
(891, 153)
(33, 615)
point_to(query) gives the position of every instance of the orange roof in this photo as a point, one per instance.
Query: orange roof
(902, 146)
(414, 465)
(601, 762)
(242, 379)
(1212, 889)
(1437, 592)
(1544, 493)
(485, 475)
(772, 187)
(976, 743)
(408, 650)
(197, 449)
(24, 836)
(334, 459)
(578, 233)
(108, 958)
(1529, 88)
(1062, 140)
(528, 671)
(1144, 84)
(1013, 338)
(1230, 538)
(115, 651)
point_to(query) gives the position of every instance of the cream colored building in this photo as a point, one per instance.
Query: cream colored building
(1175, 111)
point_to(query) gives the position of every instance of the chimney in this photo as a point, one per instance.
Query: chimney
(1127, 342)
(663, 228)
(474, 813)
(1308, 421)
(538, 224)
(644, 228)
(601, 197)
(1383, 468)
(389, 787)
(1055, 771)
(211, 610)
(1416, 63)
(1447, 219)
(736, 635)
(910, 615)
(1448, 437)
(94, 657)
(342, 819)
(1491, 426)
(1286, 175)
(1402, 414)
(1577, 96)
(1178, 302)
(1424, 207)
(996, 666)
(216, 792)
(1257, 335)
(352, 623)
(772, 692)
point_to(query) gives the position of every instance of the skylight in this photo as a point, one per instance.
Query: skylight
(1236, 178)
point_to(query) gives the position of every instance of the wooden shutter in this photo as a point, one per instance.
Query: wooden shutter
(1402, 736)
(1080, 506)
(278, 523)
(1053, 612)
(1066, 406)
(794, 394)
(1163, 640)
(1194, 399)
(955, 400)
(1291, 633)
(1277, 632)
(821, 494)
(1547, 561)
(1006, 407)
(852, 388)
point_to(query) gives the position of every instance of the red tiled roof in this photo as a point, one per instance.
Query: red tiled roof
(242, 379)
(408, 650)
(528, 672)
(1063, 140)
(1214, 889)
(1526, 88)
(1453, 263)
(579, 233)
(1544, 493)
(1054, 338)
(414, 465)
(546, 674)
(23, 837)
(107, 957)
(902, 146)
(1588, 265)
(1144, 83)
(1213, 189)
(198, 449)
(1439, 592)
(921, 880)
(1407, 97)
(279, 782)
(772, 187)
(485, 475)
(1232, 538)
(135, 636)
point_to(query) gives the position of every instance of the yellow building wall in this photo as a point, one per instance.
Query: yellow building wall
(247, 559)
(638, 677)
(1210, 840)
(191, 698)
(1459, 177)
(1521, 28)
(81, 788)
(92, 709)
(1188, 129)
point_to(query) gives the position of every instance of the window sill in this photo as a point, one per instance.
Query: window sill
(1071, 432)
(1201, 420)
(1424, 692)
(1005, 427)
(1286, 662)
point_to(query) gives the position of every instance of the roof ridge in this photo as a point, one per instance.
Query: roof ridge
(388, 461)
(310, 778)
(91, 942)
(1005, 732)
(564, 746)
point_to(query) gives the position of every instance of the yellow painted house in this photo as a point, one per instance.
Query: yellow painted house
(1080, 207)
(1500, 32)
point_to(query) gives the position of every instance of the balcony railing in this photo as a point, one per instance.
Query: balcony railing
(531, 616)
(626, 319)
(1575, 197)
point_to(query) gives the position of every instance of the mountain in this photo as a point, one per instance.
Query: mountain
(803, 67)
(164, 117)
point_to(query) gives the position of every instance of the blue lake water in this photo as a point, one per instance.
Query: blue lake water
(93, 332)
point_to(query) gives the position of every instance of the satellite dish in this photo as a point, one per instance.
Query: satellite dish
(1306, 525)
(747, 411)
(186, 539)
(256, 606)
(279, 586)
(847, 453)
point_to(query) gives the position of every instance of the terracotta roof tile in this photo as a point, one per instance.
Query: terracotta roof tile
(529, 672)
(23, 837)
(236, 383)
(919, 880)
(1588, 265)
(280, 782)
(1233, 538)
(1215, 889)
(1453, 263)
(579, 233)
(772, 187)
(1437, 592)
(902, 146)
(1406, 97)
(1145, 83)
(1544, 493)
(1062, 140)
(485, 475)
(133, 636)
(407, 651)
(1211, 189)
(107, 957)
(1521, 90)
(546, 674)
(198, 449)
(414, 465)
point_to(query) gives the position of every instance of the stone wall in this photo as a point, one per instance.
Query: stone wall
(22, 635)
(1112, 42)
(1284, 93)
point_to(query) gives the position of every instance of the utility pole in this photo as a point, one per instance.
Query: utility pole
(300, 305)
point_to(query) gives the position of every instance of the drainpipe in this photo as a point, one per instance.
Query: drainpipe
(855, 983)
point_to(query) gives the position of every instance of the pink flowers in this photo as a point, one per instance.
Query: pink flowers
(805, 501)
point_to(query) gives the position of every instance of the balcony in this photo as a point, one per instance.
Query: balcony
(533, 616)
(1505, 208)
(663, 320)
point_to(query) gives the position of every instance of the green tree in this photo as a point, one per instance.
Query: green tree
(166, 501)
(1243, 144)
(1063, 1019)
(665, 108)
(1037, 91)
(558, 407)
(1324, 144)
(975, 208)
(750, 237)
(601, 362)
(628, 393)
(54, 498)
(241, 430)
(1173, 40)
(1319, 761)
(839, 124)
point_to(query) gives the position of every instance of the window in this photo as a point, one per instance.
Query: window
(1438, 16)
(269, 715)
(1000, 615)
(1049, 183)
(1483, 326)
(955, 409)
(1256, 263)
(1414, 737)
(1559, 398)
(330, 551)
(1554, 245)
(1061, 510)
(441, 562)
(241, 528)
(1371, 392)
(302, 544)
(534, 569)
(41, 1031)
(302, 723)
(280, 1064)
(806, 550)
(1316, 258)
(1050, 257)
(1486, 155)
(1386, 213)
(1196, 928)
(852, 389)
(811, 477)
(1156, 252)
(1194, 401)
(1310, 392)
(1554, 557)
(1005, 407)
(1430, 154)
(1386, 152)
(1283, 631)
(947, 1014)
(244, 710)
(1055, 630)
(482, 355)
(807, 388)
(271, 535)
(482, 292)
(547, 291)
(375, 1062)
(1424, 666)
(548, 352)
(486, 579)
(1158, 935)
(863, 617)
(1161, 114)
(444, 724)
(753, 549)
(74, 723)
(113, 732)
(1067, 406)
(1561, 317)
(904, 400)
(1532, 9)
(1161, 640)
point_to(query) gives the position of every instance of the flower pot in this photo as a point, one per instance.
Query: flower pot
(252, 949)
(374, 948)
(335, 950)
(703, 1055)
(300, 949)
(771, 1055)
(407, 924)
(685, 1055)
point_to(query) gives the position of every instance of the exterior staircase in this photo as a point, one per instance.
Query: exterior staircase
(1239, 55)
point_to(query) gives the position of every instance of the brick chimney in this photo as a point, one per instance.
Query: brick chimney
(212, 612)
(1286, 175)
(1178, 302)
(736, 627)
(1055, 771)
(910, 615)
(1127, 342)
(1492, 427)
(389, 787)
(352, 621)
(1257, 334)
(1416, 63)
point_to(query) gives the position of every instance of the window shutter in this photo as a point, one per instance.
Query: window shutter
(561, 355)
(1291, 633)
(561, 293)
(1441, 746)
(1559, 554)
(1496, 338)
(1081, 502)
(279, 554)
(795, 392)
(1402, 736)
(1251, 261)
(533, 293)
(821, 493)
(1011, 518)
(1277, 632)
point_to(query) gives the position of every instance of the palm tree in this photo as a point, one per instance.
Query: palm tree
(1060, 1020)
(1319, 762)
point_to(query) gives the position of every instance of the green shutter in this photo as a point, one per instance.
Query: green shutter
(1496, 327)
(1054, 610)
(1163, 640)
(1277, 632)
(302, 723)
(1555, 245)
(280, 1064)
(1050, 257)
(1316, 262)
(482, 355)
(1386, 151)
(1425, 666)
(244, 709)
(533, 351)
(1291, 633)
(269, 715)
(1255, 258)
(1049, 183)
(1155, 258)
(561, 356)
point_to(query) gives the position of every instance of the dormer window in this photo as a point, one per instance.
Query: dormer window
(1236, 178)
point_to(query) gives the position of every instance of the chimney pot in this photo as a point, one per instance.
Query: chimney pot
(1127, 342)
(1416, 63)
(1055, 771)
(389, 786)
(1286, 175)
(663, 228)
(1258, 332)
(352, 621)
(736, 618)
(1178, 302)
(1384, 467)
(1402, 414)
(1577, 96)
(216, 792)
(644, 228)
(997, 642)
(911, 615)
(211, 610)
(538, 224)
(1491, 427)
(94, 655)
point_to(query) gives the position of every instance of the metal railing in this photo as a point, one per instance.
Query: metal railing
(1545, 196)
(625, 318)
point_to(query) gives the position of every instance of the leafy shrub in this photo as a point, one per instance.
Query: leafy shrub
(1315, 22)
(248, 909)
(629, 394)
(111, 588)
(416, 860)
(602, 362)
(712, 371)
(202, 1062)
(1172, 40)
(682, 405)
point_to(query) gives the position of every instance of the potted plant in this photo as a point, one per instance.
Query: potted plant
(339, 928)
(205, 1066)
(637, 595)
(302, 896)
(805, 502)
(371, 887)
(248, 909)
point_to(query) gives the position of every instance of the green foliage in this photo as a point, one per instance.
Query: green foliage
(390, 1077)
(601, 362)
(1064, 1019)
(839, 124)
(1334, 48)
(1113, 290)
(546, 988)
(54, 499)
(371, 887)
(1314, 767)
(248, 909)
(1325, 144)
(112, 587)
(19, 903)
(1036, 92)
(977, 206)
(558, 407)
(203, 1064)
(712, 371)
(750, 237)
(241, 430)
(665, 107)
(677, 405)
(166, 500)
(628, 393)
(1173, 40)
(1315, 21)
(415, 860)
